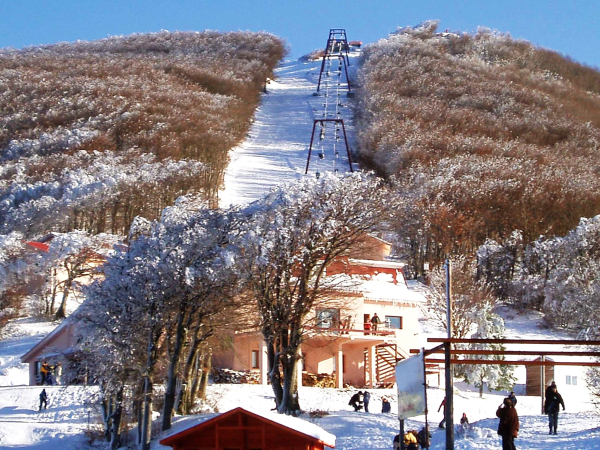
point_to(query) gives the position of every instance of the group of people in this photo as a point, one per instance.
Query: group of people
(508, 427)
(414, 440)
(371, 324)
(48, 373)
(359, 400)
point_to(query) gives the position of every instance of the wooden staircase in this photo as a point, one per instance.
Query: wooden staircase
(386, 358)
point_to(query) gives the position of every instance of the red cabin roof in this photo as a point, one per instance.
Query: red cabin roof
(243, 429)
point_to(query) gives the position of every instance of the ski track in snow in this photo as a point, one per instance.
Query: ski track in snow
(277, 148)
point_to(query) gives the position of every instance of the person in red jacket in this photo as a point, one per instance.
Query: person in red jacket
(508, 427)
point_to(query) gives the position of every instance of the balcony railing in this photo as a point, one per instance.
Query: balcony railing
(382, 330)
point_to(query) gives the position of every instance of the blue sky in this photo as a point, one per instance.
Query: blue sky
(567, 26)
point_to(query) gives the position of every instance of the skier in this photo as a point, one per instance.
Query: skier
(366, 399)
(43, 399)
(513, 398)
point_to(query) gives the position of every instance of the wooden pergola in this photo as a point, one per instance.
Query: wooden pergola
(453, 356)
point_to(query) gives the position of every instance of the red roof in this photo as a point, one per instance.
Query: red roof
(38, 245)
(179, 440)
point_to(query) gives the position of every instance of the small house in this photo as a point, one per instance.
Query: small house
(54, 349)
(239, 429)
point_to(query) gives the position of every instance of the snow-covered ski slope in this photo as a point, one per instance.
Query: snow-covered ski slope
(276, 150)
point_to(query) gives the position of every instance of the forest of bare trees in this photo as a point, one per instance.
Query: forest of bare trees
(482, 135)
(79, 120)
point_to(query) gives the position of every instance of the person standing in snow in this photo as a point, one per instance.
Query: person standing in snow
(513, 399)
(397, 442)
(366, 400)
(443, 408)
(355, 401)
(45, 371)
(508, 427)
(552, 406)
(386, 407)
(43, 399)
(424, 437)
(464, 420)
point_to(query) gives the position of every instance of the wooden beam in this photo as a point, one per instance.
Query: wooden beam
(515, 363)
(509, 352)
(515, 341)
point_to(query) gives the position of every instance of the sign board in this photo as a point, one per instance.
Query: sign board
(410, 379)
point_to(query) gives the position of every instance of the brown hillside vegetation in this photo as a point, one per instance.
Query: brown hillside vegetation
(483, 134)
(175, 96)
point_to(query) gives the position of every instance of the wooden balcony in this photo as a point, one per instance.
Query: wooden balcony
(381, 331)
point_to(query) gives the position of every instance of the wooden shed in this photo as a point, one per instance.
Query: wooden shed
(240, 429)
(534, 378)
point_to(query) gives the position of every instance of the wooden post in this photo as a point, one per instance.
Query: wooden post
(449, 410)
(402, 434)
(449, 400)
(542, 381)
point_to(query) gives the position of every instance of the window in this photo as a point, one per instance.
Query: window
(393, 322)
(255, 359)
(572, 380)
(328, 318)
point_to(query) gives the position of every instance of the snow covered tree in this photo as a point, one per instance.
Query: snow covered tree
(291, 236)
(13, 274)
(468, 297)
(163, 296)
(472, 316)
(489, 326)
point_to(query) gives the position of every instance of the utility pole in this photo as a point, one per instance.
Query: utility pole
(542, 381)
(449, 372)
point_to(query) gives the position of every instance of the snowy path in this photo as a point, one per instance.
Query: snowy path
(277, 147)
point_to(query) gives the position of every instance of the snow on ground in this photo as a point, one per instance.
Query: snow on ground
(276, 150)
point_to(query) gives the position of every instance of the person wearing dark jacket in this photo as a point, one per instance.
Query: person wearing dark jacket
(386, 407)
(43, 399)
(552, 406)
(549, 389)
(366, 400)
(508, 427)
(513, 398)
(356, 402)
(424, 437)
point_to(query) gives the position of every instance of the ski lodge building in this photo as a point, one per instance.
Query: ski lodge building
(340, 339)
